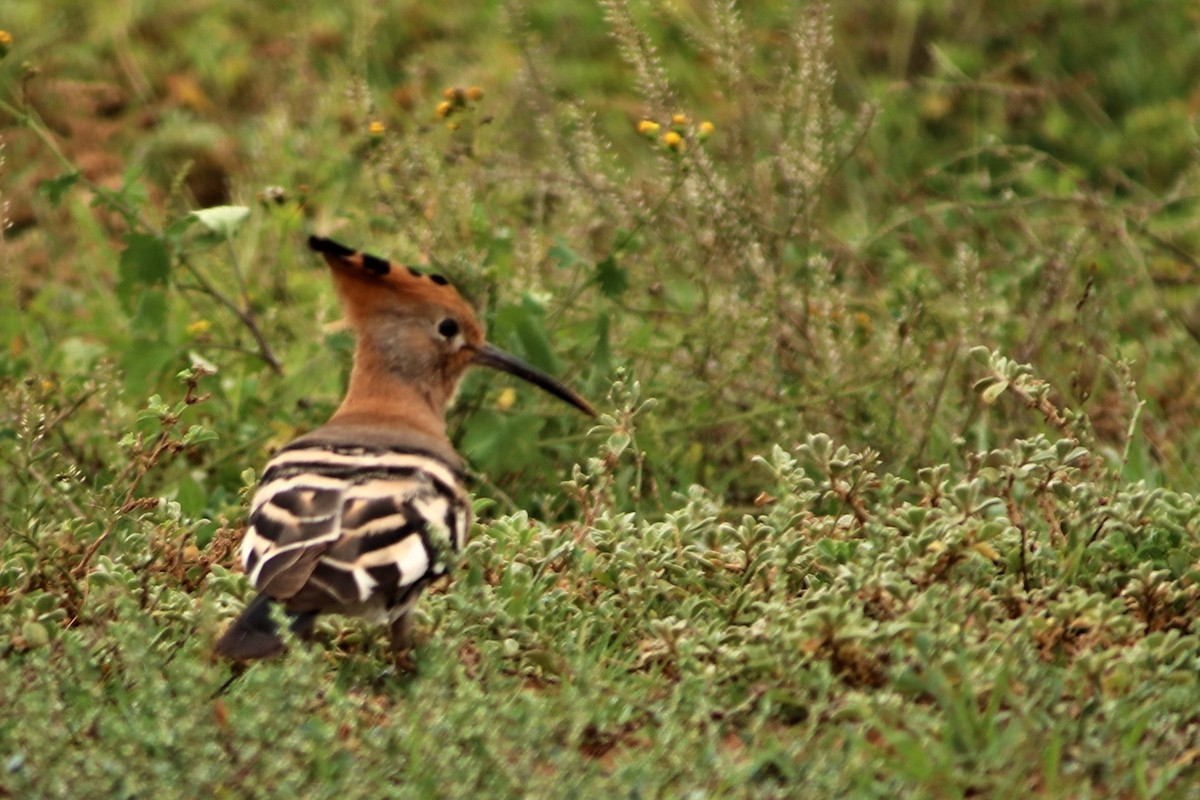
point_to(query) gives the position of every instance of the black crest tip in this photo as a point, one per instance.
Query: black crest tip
(330, 247)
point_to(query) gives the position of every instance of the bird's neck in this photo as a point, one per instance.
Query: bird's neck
(378, 397)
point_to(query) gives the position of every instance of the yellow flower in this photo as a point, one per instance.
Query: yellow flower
(648, 128)
(679, 119)
(376, 129)
(199, 327)
(705, 130)
(474, 94)
(6, 41)
(506, 398)
(444, 109)
(673, 140)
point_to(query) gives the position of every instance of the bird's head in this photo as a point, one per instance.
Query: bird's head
(415, 328)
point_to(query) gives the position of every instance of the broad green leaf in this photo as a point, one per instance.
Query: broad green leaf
(498, 443)
(191, 496)
(176, 229)
(532, 332)
(150, 318)
(54, 188)
(145, 361)
(224, 220)
(144, 262)
(563, 255)
(527, 323)
(612, 280)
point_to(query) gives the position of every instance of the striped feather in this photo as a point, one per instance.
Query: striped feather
(352, 528)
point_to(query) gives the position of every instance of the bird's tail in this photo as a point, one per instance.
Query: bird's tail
(253, 634)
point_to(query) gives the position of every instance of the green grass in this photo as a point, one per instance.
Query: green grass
(893, 491)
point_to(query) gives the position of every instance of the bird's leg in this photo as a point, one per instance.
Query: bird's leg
(402, 642)
(302, 624)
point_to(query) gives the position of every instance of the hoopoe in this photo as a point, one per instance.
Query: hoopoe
(358, 516)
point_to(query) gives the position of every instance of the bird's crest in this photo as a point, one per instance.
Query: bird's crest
(361, 276)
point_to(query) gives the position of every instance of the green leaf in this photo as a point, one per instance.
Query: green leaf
(145, 361)
(527, 323)
(993, 392)
(174, 232)
(532, 332)
(150, 318)
(563, 255)
(501, 442)
(612, 280)
(144, 262)
(35, 635)
(198, 434)
(54, 188)
(224, 220)
(191, 496)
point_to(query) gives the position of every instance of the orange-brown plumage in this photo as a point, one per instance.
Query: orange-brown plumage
(405, 372)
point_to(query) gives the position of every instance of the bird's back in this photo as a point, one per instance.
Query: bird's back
(355, 520)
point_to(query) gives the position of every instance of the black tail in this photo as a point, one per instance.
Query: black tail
(252, 635)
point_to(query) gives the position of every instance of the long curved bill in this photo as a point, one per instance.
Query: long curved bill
(489, 356)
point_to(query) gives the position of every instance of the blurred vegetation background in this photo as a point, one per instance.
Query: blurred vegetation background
(952, 237)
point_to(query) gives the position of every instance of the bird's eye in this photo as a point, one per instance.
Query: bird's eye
(448, 328)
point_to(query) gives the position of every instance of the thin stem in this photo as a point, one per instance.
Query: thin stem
(245, 316)
(236, 263)
(28, 120)
(927, 428)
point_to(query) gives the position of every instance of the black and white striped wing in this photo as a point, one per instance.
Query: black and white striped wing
(353, 529)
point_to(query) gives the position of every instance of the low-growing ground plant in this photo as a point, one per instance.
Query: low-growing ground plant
(889, 314)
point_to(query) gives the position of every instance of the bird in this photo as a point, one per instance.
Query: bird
(358, 516)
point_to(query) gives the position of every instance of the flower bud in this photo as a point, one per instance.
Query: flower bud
(648, 128)
(673, 141)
